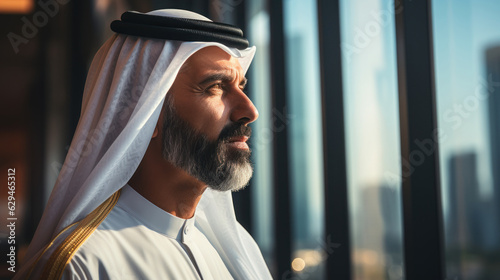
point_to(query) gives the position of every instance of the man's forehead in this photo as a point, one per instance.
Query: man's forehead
(213, 59)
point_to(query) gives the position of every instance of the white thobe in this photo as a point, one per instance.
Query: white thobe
(138, 240)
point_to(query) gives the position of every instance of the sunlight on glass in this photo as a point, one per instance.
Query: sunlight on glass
(372, 138)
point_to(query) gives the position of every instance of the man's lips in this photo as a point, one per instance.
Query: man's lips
(239, 142)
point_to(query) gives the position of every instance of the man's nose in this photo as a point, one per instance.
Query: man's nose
(243, 110)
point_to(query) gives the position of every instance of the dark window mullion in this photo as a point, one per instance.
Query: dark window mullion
(422, 217)
(336, 200)
(281, 177)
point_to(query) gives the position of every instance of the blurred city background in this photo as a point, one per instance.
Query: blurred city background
(47, 47)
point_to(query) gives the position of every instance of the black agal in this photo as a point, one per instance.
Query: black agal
(181, 29)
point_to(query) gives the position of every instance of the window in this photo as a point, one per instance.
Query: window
(372, 138)
(303, 115)
(467, 64)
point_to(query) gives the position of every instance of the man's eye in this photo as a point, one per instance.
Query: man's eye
(215, 89)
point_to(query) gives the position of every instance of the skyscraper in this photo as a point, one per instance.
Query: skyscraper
(493, 76)
(464, 216)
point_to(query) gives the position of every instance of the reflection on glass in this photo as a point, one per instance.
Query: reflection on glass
(372, 138)
(262, 135)
(303, 119)
(467, 67)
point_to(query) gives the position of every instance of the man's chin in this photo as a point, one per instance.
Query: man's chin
(236, 179)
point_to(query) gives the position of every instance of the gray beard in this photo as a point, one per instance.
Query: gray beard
(211, 162)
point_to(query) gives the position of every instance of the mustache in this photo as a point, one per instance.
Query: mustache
(234, 130)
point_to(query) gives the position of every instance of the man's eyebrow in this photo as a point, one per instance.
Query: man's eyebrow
(221, 77)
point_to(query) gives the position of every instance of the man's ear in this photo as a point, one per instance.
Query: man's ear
(159, 123)
(157, 126)
(155, 132)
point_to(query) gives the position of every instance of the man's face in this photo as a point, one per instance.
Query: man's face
(205, 120)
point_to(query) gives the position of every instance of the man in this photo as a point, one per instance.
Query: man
(144, 192)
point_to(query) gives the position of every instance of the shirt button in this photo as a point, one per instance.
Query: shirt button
(186, 230)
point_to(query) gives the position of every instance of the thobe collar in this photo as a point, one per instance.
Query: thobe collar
(153, 216)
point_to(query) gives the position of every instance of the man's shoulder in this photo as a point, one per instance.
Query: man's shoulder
(102, 253)
(116, 233)
(114, 245)
(122, 247)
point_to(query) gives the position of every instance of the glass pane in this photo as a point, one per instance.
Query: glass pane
(262, 135)
(467, 67)
(303, 117)
(372, 137)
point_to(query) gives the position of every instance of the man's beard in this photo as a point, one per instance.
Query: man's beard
(221, 167)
